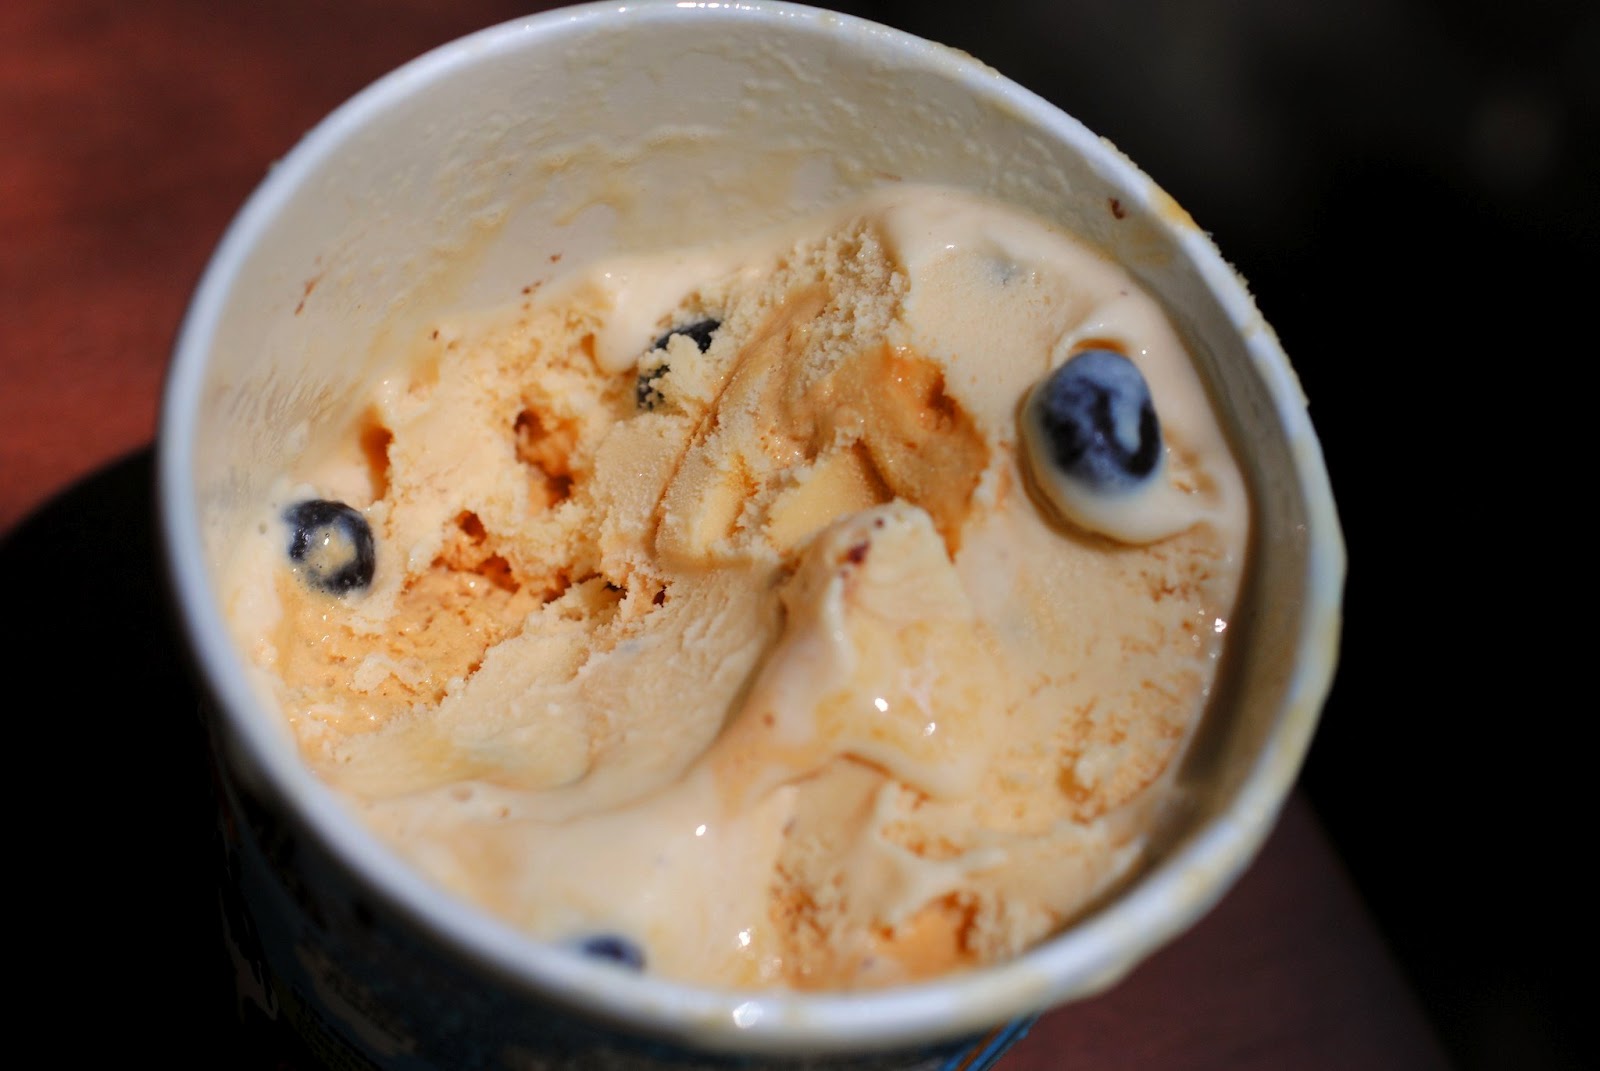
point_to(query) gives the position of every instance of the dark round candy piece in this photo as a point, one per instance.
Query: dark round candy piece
(701, 331)
(646, 394)
(1099, 421)
(332, 545)
(610, 946)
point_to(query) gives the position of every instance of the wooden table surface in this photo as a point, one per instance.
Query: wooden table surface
(129, 135)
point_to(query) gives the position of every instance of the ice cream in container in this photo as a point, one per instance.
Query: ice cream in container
(674, 222)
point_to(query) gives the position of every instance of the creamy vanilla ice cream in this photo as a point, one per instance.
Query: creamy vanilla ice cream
(823, 609)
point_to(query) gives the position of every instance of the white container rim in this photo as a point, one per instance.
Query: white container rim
(1085, 959)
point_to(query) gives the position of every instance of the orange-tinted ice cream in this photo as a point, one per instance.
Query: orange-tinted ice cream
(727, 604)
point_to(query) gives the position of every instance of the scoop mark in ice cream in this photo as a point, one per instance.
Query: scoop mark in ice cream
(646, 394)
(331, 545)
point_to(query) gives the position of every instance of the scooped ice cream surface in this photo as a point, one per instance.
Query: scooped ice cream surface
(784, 612)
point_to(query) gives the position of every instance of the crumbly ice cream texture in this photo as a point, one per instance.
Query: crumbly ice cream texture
(766, 658)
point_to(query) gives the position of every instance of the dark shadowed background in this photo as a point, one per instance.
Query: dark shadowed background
(1410, 187)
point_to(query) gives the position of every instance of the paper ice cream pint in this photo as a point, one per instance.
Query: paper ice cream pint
(604, 128)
